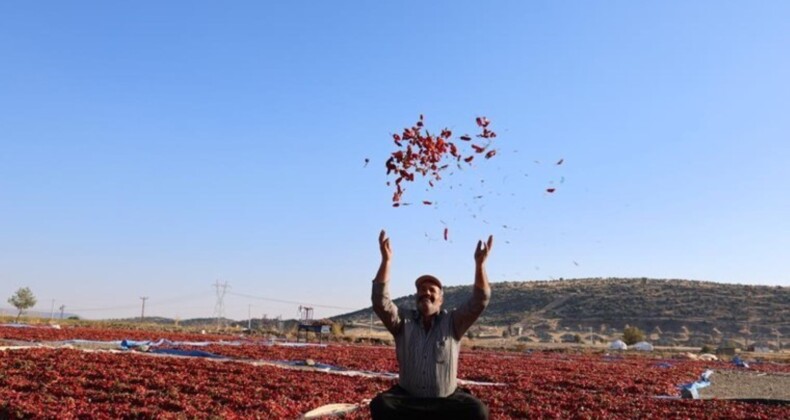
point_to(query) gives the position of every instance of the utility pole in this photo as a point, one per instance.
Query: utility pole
(62, 307)
(747, 330)
(142, 312)
(52, 311)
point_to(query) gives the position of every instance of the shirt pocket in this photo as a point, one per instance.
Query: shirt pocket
(442, 350)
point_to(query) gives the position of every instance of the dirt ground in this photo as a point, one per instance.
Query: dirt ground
(747, 385)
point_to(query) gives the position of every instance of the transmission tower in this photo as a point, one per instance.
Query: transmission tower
(305, 314)
(142, 311)
(219, 307)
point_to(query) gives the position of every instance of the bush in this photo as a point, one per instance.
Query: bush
(633, 335)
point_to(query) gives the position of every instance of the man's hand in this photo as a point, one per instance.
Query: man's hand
(482, 250)
(383, 275)
(384, 246)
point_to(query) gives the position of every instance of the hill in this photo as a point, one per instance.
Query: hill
(672, 310)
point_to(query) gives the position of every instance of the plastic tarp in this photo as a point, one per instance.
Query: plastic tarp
(131, 344)
(186, 353)
(618, 345)
(312, 365)
(691, 390)
(643, 346)
(737, 361)
(16, 325)
(299, 345)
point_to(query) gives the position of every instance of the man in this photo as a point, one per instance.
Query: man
(427, 342)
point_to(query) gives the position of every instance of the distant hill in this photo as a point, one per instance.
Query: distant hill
(6, 311)
(672, 307)
(191, 322)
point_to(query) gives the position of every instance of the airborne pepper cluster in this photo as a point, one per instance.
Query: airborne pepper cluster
(422, 153)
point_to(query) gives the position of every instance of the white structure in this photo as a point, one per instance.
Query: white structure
(643, 346)
(618, 345)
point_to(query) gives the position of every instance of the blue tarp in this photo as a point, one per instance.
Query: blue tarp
(130, 344)
(740, 363)
(314, 365)
(690, 390)
(188, 353)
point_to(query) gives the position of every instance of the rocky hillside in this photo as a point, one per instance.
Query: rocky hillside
(673, 309)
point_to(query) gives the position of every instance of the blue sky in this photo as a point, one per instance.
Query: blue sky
(151, 150)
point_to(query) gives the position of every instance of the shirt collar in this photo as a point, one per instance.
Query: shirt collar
(418, 314)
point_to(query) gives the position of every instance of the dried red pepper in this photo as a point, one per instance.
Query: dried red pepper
(420, 152)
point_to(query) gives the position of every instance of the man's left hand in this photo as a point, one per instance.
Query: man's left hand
(483, 249)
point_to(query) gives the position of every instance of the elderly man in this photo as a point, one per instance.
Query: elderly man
(427, 342)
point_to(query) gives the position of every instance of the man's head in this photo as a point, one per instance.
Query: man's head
(429, 295)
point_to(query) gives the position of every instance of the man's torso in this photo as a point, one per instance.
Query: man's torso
(428, 360)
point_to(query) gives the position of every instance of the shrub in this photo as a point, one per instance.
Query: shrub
(633, 335)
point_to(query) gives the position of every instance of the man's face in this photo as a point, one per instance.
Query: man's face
(429, 299)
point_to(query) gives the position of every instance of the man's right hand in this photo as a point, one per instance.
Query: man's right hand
(384, 246)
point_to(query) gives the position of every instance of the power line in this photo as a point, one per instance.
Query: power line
(157, 302)
(106, 308)
(291, 301)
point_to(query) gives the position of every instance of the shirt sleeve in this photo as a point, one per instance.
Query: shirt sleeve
(386, 310)
(466, 315)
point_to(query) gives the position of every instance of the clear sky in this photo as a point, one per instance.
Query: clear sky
(153, 148)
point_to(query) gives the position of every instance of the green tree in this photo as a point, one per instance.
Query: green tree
(22, 300)
(633, 335)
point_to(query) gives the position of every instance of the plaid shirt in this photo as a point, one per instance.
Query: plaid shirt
(428, 360)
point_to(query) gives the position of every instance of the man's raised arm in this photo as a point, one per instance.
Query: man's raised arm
(467, 314)
(382, 304)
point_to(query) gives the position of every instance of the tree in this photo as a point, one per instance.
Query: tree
(22, 300)
(632, 335)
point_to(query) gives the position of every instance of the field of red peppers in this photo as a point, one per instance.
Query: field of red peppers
(70, 383)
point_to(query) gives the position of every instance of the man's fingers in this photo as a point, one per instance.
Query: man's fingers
(479, 246)
(490, 241)
(382, 235)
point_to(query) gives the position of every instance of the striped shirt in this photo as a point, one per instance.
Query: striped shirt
(428, 360)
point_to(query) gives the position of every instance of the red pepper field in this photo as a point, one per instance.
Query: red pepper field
(74, 383)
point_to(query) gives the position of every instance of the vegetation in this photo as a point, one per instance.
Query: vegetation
(22, 300)
(632, 335)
